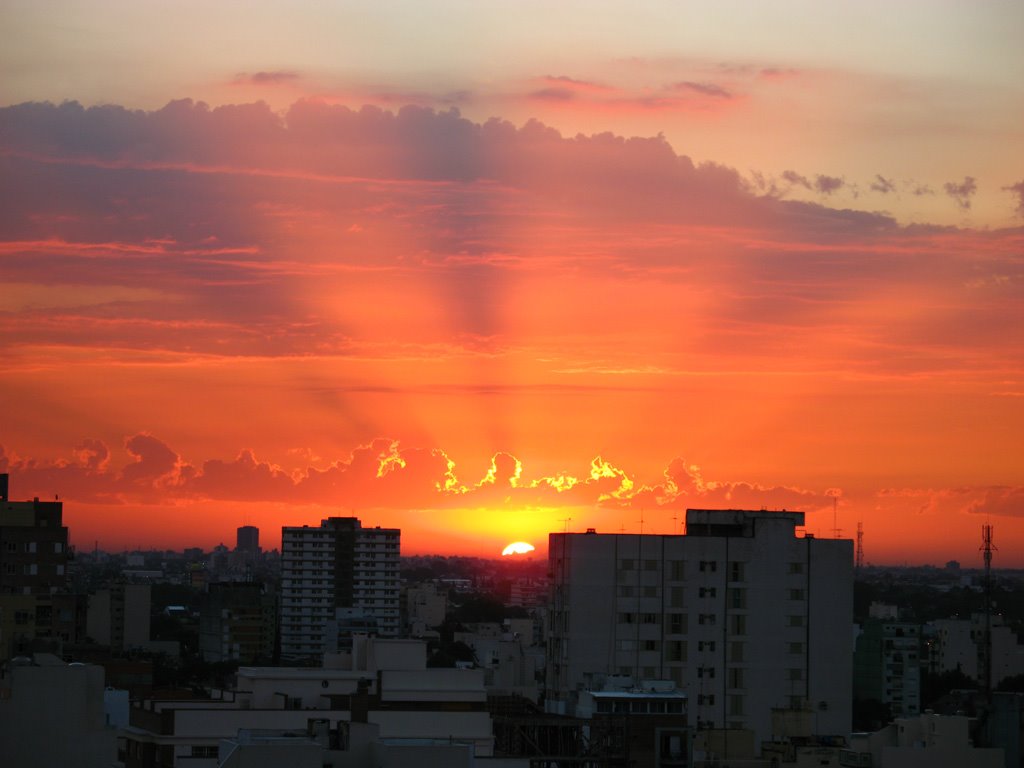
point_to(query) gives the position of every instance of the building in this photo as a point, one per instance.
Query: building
(925, 741)
(33, 546)
(54, 714)
(383, 683)
(959, 644)
(237, 622)
(36, 611)
(247, 539)
(119, 616)
(741, 613)
(887, 662)
(334, 577)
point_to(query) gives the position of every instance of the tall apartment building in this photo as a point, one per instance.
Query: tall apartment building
(336, 576)
(887, 664)
(36, 611)
(741, 613)
(33, 546)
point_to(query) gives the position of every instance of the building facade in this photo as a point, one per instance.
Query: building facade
(337, 575)
(742, 614)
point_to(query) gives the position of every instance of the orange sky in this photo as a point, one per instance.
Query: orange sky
(608, 288)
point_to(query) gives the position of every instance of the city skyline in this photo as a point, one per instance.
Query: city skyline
(485, 274)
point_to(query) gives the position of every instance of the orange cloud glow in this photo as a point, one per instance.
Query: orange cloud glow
(481, 332)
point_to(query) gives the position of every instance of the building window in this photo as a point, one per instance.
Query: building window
(705, 672)
(796, 594)
(706, 645)
(707, 592)
(736, 706)
(735, 651)
(650, 618)
(738, 598)
(675, 650)
(650, 565)
(650, 591)
(676, 596)
(796, 567)
(706, 619)
(736, 571)
(625, 591)
(677, 623)
(796, 647)
(706, 699)
(678, 569)
(736, 680)
(795, 674)
(627, 618)
(738, 624)
(625, 565)
(795, 621)
(650, 645)
(708, 566)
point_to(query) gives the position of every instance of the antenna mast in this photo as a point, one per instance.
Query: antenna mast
(859, 562)
(987, 548)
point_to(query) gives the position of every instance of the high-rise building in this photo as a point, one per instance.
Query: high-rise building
(33, 546)
(36, 611)
(248, 539)
(742, 614)
(237, 622)
(336, 576)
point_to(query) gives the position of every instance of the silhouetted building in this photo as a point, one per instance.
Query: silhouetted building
(36, 613)
(333, 577)
(887, 664)
(33, 546)
(248, 539)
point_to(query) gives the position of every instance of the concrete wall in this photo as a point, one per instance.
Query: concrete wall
(54, 716)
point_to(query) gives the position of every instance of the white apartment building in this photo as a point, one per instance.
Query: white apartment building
(336, 578)
(740, 613)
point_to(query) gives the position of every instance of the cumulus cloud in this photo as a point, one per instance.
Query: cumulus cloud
(383, 474)
(962, 192)
(1018, 192)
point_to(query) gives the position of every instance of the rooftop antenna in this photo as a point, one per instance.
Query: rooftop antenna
(641, 521)
(987, 547)
(674, 516)
(835, 517)
(566, 520)
(860, 546)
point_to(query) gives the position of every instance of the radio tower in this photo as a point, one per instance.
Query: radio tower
(986, 652)
(859, 561)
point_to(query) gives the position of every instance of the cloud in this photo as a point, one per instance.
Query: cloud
(382, 474)
(712, 90)
(883, 185)
(276, 77)
(962, 192)
(1018, 191)
(1001, 501)
(827, 185)
(796, 180)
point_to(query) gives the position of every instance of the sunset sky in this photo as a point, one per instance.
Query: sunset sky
(484, 270)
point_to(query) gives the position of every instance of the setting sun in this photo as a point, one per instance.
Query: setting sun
(517, 548)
